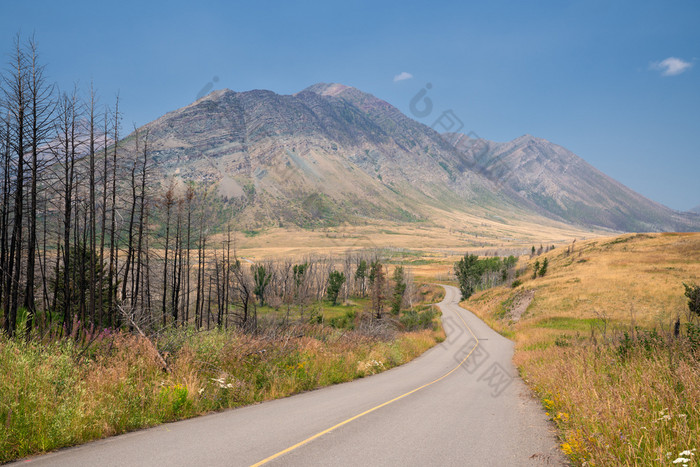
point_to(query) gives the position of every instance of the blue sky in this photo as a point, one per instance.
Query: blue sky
(618, 83)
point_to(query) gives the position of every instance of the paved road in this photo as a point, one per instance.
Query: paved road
(460, 403)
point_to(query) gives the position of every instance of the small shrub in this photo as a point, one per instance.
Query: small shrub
(347, 321)
(692, 292)
(414, 320)
(562, 340)
(624, 347)
(173, 400)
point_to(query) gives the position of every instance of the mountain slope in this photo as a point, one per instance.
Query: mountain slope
(323, 156)
(331, 154)
(566, 186)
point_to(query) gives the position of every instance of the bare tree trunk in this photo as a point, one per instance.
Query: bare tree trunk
(17, 101)
(4, 215)
(112, 297)
(68, 115)
(103, 224)
(169, 197)
(227, 274)
(189, 197)
(209, 305)
(199, 308)
(219, 305)
(147, 273)
(43, 265)
(82, 274)
(41, 113)
(175, 289)
(130, 233)
(135, 292)
(92, 220)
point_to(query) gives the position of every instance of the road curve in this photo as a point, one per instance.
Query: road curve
(460, 403)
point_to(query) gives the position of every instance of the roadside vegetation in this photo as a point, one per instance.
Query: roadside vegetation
(57, 392)
(54, 395)
(609, 338)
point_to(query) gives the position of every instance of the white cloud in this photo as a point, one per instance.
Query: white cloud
(402, 76)
(671, 66)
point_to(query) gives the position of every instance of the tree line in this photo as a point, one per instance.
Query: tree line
(474, 274)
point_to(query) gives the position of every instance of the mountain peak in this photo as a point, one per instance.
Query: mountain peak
(528, 138)
(221, 92)
(328, 89)
(215, 95)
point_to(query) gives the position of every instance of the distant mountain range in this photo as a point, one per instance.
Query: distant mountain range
(332, 154)
(696, 210)
(566, 187)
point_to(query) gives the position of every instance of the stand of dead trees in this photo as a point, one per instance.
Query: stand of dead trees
(91, 237)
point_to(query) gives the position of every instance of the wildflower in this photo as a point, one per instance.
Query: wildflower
(222, 383)
(566, 447)
(201, 390)
(370, 366)
(687, 452)
(683, 460)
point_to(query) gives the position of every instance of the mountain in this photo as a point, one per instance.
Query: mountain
(696, 210)
(323, 156)
(332, 154)
(565, 186)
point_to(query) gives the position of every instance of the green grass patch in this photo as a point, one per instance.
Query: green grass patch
(252, 233)
(570, 324)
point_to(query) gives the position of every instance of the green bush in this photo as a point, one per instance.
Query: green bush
(347, 321)
(414, 320)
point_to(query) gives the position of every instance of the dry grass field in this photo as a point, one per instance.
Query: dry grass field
(632, 279)
(597, 344)
(455, 233)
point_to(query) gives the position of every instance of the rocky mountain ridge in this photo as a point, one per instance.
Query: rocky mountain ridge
(333, 154)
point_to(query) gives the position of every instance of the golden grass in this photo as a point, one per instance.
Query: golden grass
(641, 410)
(617, 400)
(454, 232)
(634, 276)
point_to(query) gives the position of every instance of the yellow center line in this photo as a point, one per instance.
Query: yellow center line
(328, 430)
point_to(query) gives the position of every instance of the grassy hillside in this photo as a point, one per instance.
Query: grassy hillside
(596, 342)
(631, 277)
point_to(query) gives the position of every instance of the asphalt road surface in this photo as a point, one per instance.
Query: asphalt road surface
(460, 403)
